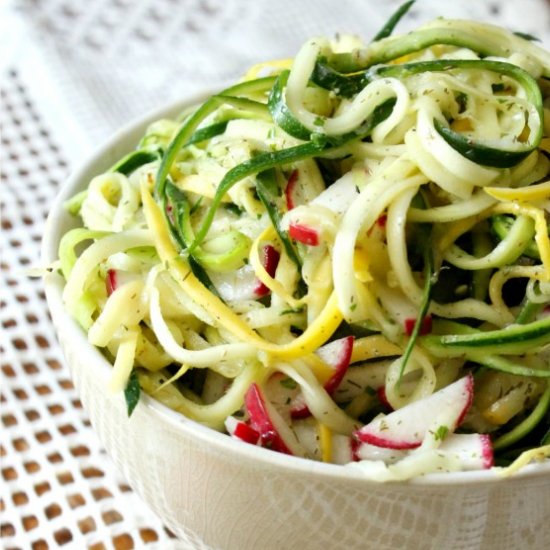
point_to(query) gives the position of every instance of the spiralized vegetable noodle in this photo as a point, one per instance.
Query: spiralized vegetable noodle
(343, 257)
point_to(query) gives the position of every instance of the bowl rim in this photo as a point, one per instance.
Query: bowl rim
(57, 222)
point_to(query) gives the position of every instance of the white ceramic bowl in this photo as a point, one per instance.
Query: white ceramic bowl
(221, 494)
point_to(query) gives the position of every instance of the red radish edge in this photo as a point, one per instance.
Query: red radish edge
(110, 281)
(341, 366)
(425, 328)
(380, 222)
(382, 442)
(487, 451)
(383, 398)
(246, 433)
(304, 234)
(239, 429)
(289, 189)
(300, 411)
(354, 445)
(260, 421)
(270, 261)
(470, 389)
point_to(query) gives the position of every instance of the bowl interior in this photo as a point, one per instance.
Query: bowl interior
(59, 221)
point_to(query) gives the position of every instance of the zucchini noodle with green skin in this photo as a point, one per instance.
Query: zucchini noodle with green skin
(334, 238)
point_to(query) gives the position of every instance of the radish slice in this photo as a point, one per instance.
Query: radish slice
(405, 428)
(111, 281)
(285, 394)
(274, 432)
(474, 451)
(304, 234)
(241, 430)
(339, 196)
(270, 261)
(336, 355)
(236, 285)
(367, 451)
(242, 284)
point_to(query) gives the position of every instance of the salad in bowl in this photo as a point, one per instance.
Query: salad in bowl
(343, 257)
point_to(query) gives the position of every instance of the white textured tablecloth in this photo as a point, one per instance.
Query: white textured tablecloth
(72, 72)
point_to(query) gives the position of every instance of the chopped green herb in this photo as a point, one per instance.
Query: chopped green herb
(132, 392)
(288, 383)
(292, 310)
(233, 208)
(527, 36)
(441, 433)
(462, 100)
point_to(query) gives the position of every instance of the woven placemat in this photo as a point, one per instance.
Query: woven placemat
(58, 486)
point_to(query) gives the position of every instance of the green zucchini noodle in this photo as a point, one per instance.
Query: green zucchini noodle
(335, 238)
